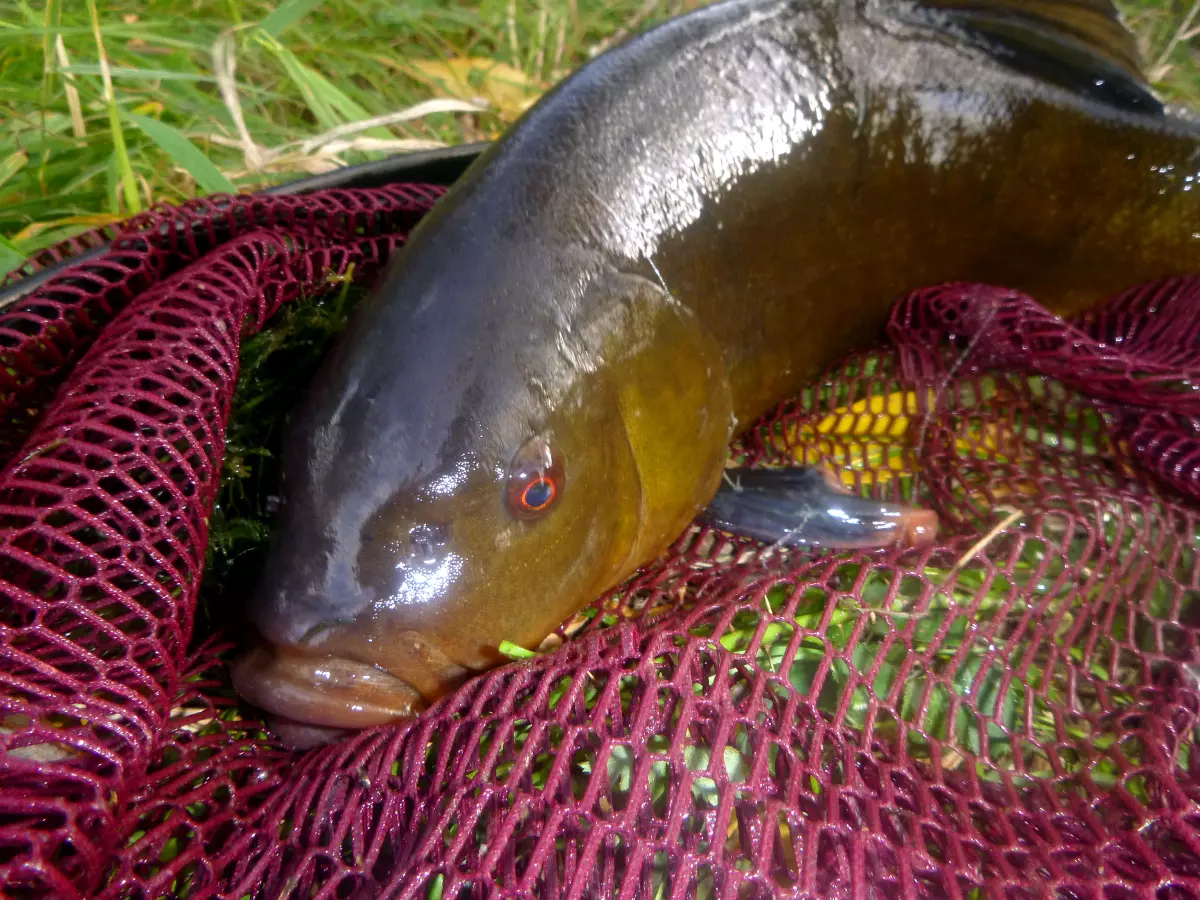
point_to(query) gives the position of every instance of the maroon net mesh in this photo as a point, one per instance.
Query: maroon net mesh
(1010, 713)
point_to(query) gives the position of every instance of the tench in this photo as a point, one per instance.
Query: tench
(538, 395)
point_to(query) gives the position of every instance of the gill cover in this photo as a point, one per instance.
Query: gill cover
(674, 397)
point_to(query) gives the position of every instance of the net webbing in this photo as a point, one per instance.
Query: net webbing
(1009, 713)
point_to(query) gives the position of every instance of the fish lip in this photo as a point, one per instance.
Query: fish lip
(323, 690)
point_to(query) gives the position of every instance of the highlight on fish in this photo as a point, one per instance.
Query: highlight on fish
(538, 396)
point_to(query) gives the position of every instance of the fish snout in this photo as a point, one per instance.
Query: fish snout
(349, 633)
(287, 617)
(344, 674)
(304, 591)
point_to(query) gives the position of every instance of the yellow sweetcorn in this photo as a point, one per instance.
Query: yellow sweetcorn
(879, 416)
(868, 441)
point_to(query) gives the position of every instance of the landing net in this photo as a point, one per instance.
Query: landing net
(1011, 713)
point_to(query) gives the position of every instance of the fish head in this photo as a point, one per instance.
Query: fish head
(488, 448)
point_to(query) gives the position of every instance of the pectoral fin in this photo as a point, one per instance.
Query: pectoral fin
(806, 505)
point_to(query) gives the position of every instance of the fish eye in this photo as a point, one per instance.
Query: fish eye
(538, 494)
(535, 480)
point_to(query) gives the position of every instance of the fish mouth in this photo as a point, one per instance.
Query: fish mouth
(330, 692)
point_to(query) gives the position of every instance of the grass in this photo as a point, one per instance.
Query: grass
(110, 108)
(211, 95)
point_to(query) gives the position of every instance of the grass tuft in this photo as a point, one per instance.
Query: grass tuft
(238, 90)
(184, 154)
(112, 107)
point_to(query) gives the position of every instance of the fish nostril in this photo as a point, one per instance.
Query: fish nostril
(425, 542)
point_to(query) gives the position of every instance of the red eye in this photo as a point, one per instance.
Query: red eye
(535, 480)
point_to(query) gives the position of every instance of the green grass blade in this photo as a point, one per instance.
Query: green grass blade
(287, 14)
(185, 154)
(138, 74)
(10, 256)
(52, 18)
(12, 164)
(329, 105)
(515, 651)
(309, 83)
(112, 183)
(132, 202)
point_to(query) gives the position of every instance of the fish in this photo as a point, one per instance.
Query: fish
(538, 395)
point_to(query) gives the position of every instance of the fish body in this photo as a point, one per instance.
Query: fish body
(538, 396)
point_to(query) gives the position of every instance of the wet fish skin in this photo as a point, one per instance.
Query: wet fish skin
(674, 239)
